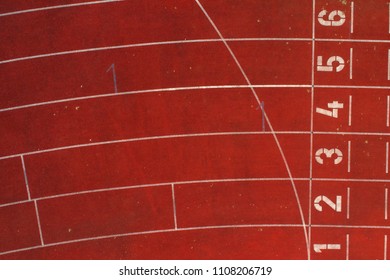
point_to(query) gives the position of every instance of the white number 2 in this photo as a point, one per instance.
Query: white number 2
(335, 206)
(329, 64)
(331, 18)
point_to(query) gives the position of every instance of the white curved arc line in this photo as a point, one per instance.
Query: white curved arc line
(268, 122)
(57, 7)
(150, 232)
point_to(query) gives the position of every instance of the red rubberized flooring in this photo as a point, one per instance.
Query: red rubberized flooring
(194, 129)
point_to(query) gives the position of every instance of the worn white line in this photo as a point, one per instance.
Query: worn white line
(350, 111)
(386, 203)
(174, 89)
(352, 16)
(25, 178)
(387, 157)
(38, 222)
(348, 201)
(351, 226)
(352, 87)
(154, 232)
(58, 7)
(388, 111)
(351, 63)
(174, 205)
(349, 156)
(268, 122)
(347, 247)
(385, 248)
(389, 16)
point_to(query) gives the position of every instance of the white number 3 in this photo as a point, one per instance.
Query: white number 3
(329, 154)
(331, 18)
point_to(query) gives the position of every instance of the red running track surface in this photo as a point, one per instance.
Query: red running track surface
(207, 129)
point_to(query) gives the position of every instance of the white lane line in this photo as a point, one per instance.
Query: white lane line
(161, 43)
(39, 222)
(352, 16)
(58, 7)
(351, 63)
(388, 65)
(349, 156)
(148, 44)
(174, 89)
(174, 205)
(162, 184)
(352, 226)
(389, 17)
(388, 111)
(350, 111)
(387, 157)
(153, 232)
(152, 138)
(386, 203)
(348, 201)
(385, 248)
(347, 247)
(25, 178)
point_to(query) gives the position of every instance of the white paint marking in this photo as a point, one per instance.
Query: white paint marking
(350, 111)
(39, 222)
(386, 203)
(385, 248)
(347, 247)
(318, 248)
(348, 201)
(58, 7)
(25, 178)
(388, 65)
(174, 205)
(388, 111)
(352, 16)
(387, 157)
(349, 156)
(351, 63)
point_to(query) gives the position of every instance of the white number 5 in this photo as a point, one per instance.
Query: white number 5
(331, 18)
(329, 64)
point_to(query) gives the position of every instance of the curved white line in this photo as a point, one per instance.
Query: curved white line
(151, 232)
(149, 139)
(57, 7)
(105, 95)
(268, 122)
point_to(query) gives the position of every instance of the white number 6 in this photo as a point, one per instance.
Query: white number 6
(329, 154)
(331, 18)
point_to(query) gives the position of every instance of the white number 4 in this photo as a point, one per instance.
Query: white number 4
(334, 113)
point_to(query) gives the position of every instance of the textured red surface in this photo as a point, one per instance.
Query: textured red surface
(129, 130)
